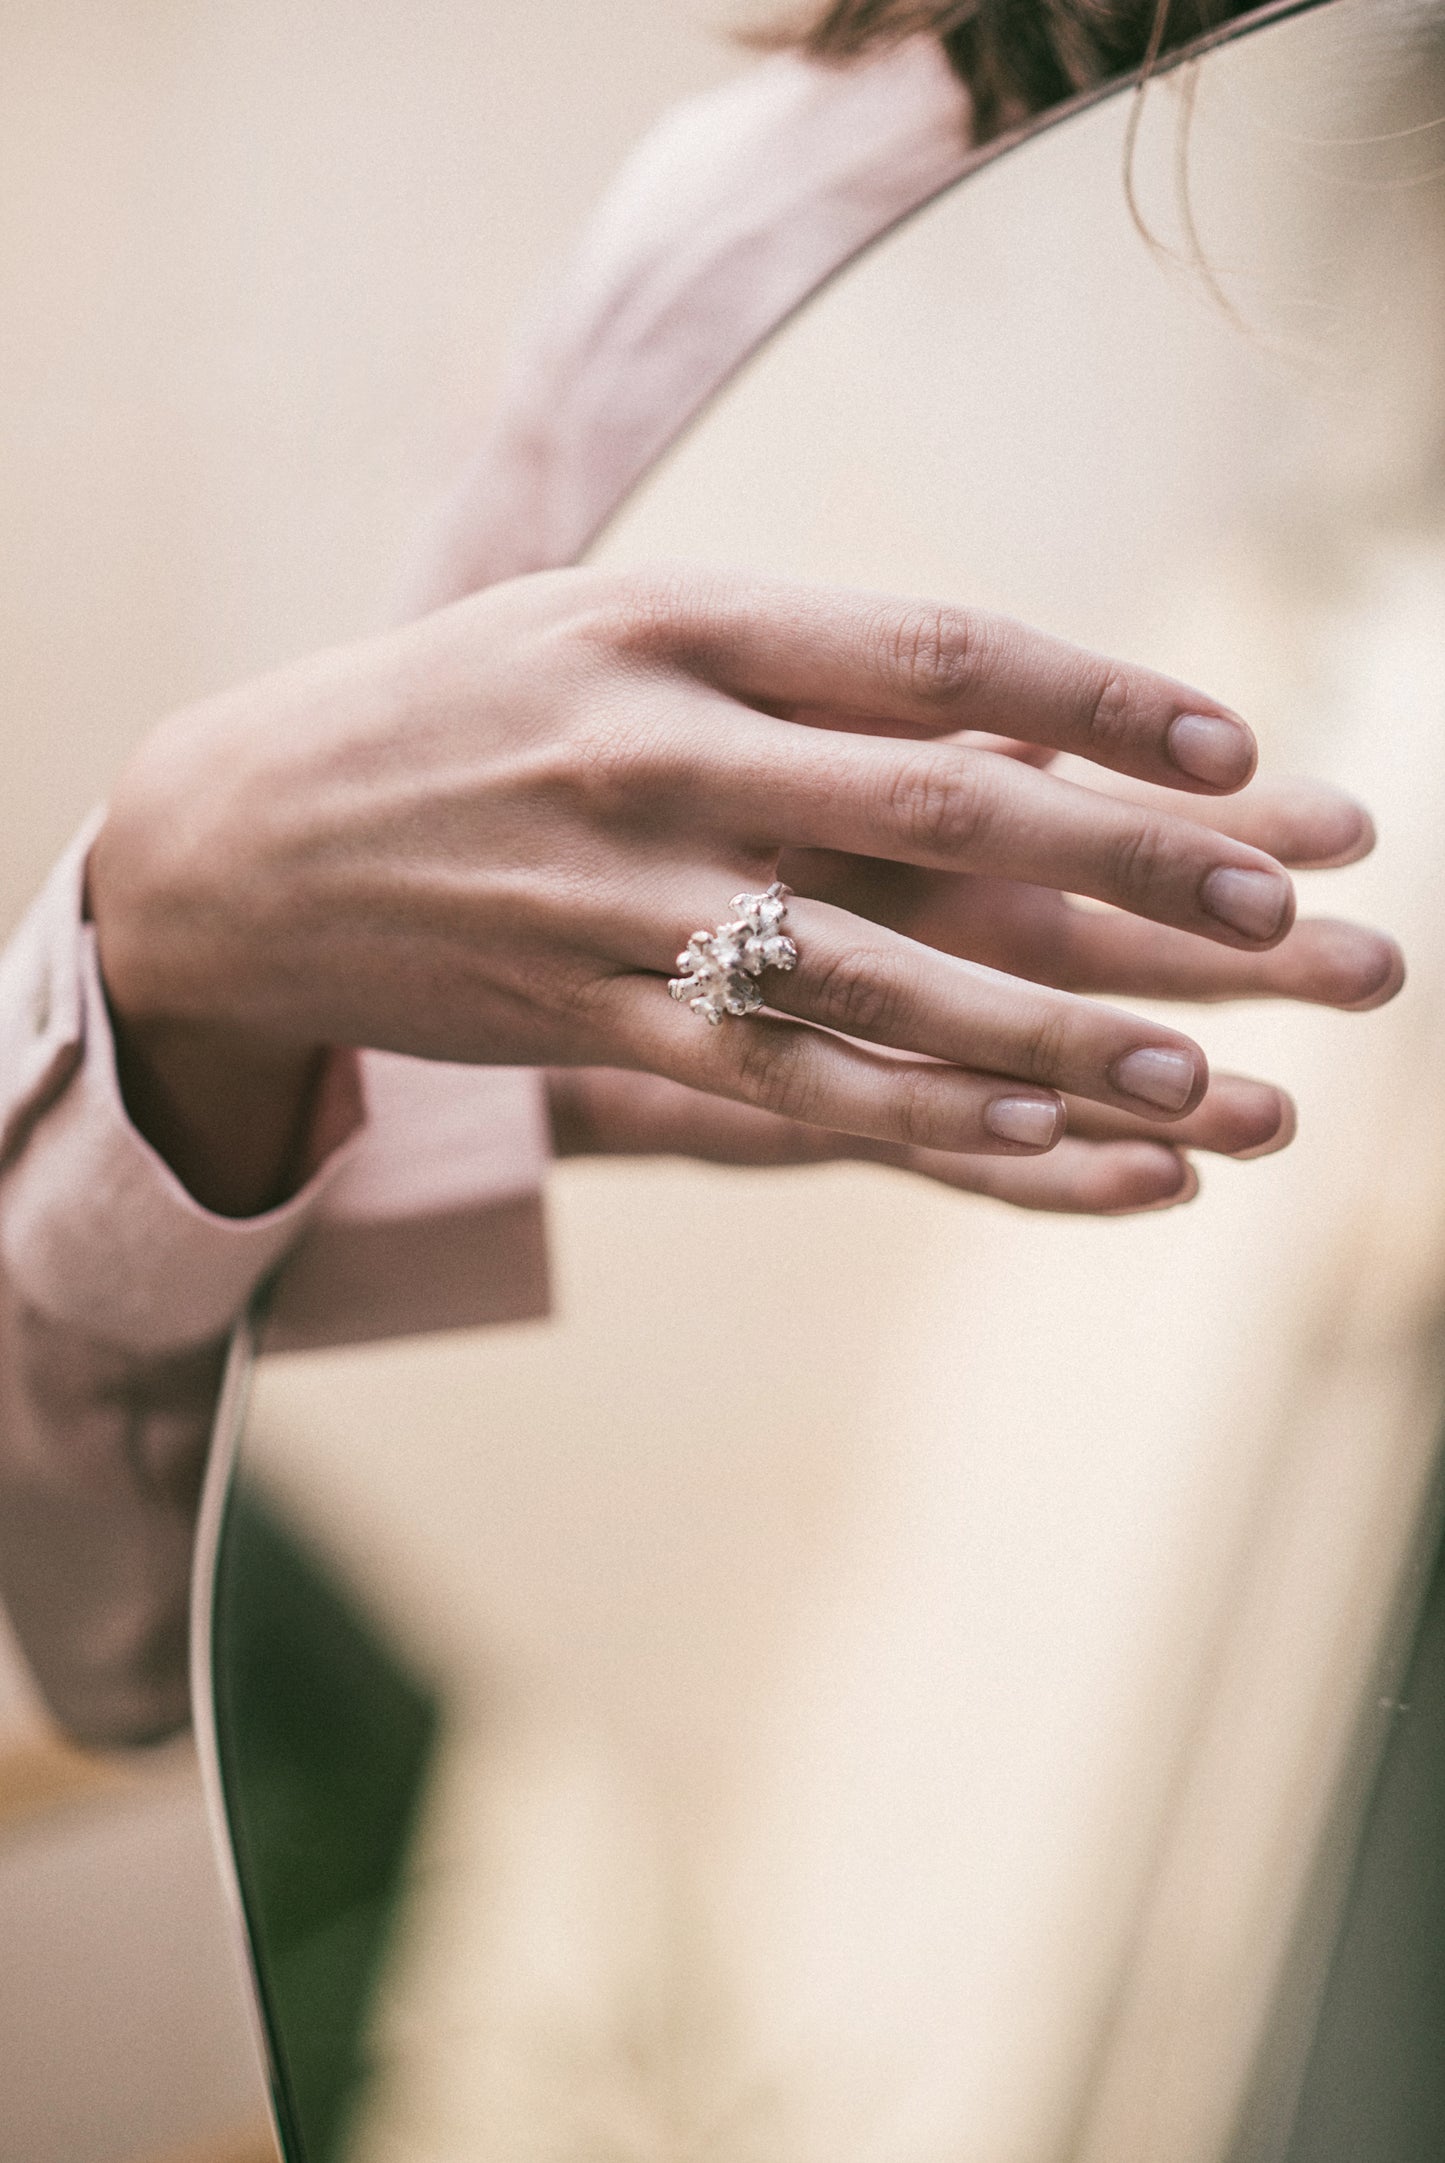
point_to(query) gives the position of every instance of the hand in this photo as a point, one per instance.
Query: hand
(485, 837)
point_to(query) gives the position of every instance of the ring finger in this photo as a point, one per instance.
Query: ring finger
(989, 1052)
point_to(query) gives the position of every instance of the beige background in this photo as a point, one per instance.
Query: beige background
(258, 264)
(827, 1758)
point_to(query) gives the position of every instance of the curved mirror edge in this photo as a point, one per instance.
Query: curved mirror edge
(316, 1739)
(1315, 2054)
(1182, 60)
(216, 1725)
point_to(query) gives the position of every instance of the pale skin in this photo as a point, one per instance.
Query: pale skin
(486, 836)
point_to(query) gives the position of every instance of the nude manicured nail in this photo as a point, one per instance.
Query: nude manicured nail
(1385, 981)
(1033, 1121)
(1184, 1188)
(1280, 1135)
(1162, 1078)
(1207, 747)
(1254, 902)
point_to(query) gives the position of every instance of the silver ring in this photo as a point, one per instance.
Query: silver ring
(718, 970)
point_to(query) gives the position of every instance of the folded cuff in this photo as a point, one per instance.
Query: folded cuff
(41, 1029)
(434, 1221)
(98, 1232)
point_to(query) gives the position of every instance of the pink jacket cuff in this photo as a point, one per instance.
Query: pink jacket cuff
(422, 1211)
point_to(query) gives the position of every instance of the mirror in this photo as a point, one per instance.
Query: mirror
(990, 1718)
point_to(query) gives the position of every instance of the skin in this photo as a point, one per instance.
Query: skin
(486, 836)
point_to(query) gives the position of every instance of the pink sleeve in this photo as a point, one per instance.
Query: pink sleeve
(726, 217)
(117, 1292)
(421, 1209)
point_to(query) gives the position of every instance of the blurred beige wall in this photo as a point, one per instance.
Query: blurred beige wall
(258, 265)
(258, 269)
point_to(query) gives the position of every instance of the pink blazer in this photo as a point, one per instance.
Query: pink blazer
(422, 1210)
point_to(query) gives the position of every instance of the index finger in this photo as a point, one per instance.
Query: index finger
(936, 668)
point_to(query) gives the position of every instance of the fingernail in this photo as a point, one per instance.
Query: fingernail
(1280, 1135)
(1353, 836)
(1382, 982)
(1209, 748)
(1162, 1078)
(1183, 1188)
(1254, 902)
(1033, 1121)
(1177, 1181)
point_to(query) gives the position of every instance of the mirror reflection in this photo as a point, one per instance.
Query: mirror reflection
(868, 1672)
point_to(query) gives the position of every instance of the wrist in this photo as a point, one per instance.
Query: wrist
(227, 1108)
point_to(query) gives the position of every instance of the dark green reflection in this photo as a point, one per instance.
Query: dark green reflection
(325, 1742)
(1375, 2086)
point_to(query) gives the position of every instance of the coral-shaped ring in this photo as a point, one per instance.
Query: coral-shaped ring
(718, 970)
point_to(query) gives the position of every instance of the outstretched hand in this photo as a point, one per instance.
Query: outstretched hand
(485, 837)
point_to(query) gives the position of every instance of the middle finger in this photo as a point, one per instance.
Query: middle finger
(948, 808)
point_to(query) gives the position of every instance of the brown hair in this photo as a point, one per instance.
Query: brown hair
(1017, 56)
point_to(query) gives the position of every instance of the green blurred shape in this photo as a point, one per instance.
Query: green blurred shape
(1374, 2088)
(325, 1740)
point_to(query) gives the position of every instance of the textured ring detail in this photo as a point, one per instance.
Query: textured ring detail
(718, 970)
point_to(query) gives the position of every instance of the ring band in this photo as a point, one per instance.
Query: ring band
(719, 970)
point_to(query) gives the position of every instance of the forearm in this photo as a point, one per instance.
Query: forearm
(224, 1106)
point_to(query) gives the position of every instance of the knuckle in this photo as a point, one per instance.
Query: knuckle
(668, 617)
(918, 1107)
(939, 805)
(859, 991)
(1045, 1044)
(1139, 858)
(595, 998)
(600, 757)
(770, 1071)
(937, 653)
(617, 766)
(635, 614)
(596, 766)
(1110, 709)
